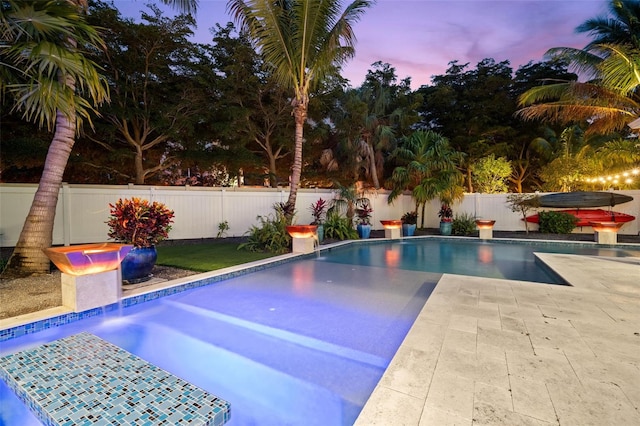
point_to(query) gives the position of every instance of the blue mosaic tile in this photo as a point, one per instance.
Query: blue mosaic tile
(84, 380)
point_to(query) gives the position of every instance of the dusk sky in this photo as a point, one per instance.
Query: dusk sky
(420, 37)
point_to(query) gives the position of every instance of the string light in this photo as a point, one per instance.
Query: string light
(627, 177)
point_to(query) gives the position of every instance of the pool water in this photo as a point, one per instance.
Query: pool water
(302, 343)
(496, 259)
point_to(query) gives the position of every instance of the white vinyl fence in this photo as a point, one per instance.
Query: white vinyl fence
(83, 210)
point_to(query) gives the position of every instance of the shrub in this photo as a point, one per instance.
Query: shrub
(464, 224)
(271, 235)
(409, 218)
(557, 222)
(445, 214)
(339, 227)
(223, 227)
(139, 222)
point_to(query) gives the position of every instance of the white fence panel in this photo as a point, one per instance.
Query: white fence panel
(83, 209)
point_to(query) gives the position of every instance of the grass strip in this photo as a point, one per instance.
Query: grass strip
(206, 256)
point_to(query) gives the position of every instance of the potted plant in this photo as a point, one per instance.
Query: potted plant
(446, 218)
(363, 211)
(318, 212)
(409, 221)
(142, 224)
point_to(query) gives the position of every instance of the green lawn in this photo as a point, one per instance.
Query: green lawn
(206, 256)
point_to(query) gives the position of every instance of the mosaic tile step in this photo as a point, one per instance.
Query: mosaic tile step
(84, 380)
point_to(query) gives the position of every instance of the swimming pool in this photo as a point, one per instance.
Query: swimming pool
(303, 342)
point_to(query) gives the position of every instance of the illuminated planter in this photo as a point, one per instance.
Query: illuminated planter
(392, 228)
(606, 232)
(90, 275)
(485, 227)
(87, 259)
(304, 237)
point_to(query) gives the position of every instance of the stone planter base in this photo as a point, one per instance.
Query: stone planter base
(84, 292)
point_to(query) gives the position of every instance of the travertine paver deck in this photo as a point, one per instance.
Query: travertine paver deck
(497, 352)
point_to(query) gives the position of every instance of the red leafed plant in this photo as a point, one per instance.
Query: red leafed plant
(317, 211)
(445, 213)
(139, 222)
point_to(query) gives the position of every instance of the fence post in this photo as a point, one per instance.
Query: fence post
(66, 214)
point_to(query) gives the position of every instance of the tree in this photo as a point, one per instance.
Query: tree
(574, 158)
(609, 101)
(56, 85)
(49, 80)
(155, 97)
(491, 174)
(523, 203)
(429, 168)
(253, 105)
(303, 40)
(472, 108)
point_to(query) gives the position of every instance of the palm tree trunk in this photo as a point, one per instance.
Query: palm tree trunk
(37, 231)
(372, 165)
(300, 114)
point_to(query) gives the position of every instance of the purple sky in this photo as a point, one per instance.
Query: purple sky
(420, 37)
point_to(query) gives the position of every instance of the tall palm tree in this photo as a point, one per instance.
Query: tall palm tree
(304, 41)
(51, 82)
(48, 81)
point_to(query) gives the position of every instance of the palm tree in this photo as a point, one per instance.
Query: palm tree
(304, 41)
(49, 79)
(608, 102)
(430, 170)
(621, 27)
(50, 82)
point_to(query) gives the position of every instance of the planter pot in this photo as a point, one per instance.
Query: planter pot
(364, 231)
(408, 229)
(320, 233)
(445, 228)
(137, 265)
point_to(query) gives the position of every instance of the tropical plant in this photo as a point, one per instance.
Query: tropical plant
(339, 227)
(429, 169)
(363, 211)
(445, 213)
(223, 227)
(609, 101)
(139, 222)
(270, 235)
(464, 224)
(304, 41)
(47, 76)
(345, 201)
(318, 211)
(48, 79)
(410, 218)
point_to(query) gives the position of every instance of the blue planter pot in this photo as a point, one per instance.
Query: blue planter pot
(137, 265)
(445, 228)
(364, 231)
(320, 233)
(408, 229)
